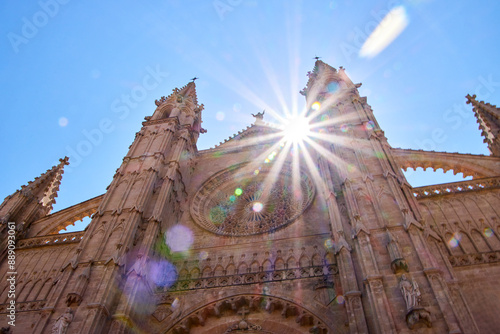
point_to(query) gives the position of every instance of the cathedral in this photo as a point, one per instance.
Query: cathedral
(305, 228)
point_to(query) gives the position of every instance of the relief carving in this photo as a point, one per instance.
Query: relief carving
(416, 315)
(62, 323)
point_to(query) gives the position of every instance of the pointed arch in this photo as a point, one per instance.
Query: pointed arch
(219, 270)
(207, 271)
(23, 294)
(329, 258)
(279, 264)
(183, 274)
(479, 241)
(254, 267)
(281, 316)
(35, 290)
(195, 273)
(452, 244)
(304, 261)
(242, 267)
(316, 260)
(291, 262)
(491, 238)
(230, 269)
(267, 265)
(466, 243)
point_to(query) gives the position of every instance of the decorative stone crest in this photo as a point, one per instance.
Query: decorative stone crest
(243, 325)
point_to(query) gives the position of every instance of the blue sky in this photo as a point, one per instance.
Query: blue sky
(66, 69)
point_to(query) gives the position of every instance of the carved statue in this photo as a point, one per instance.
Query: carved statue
(410, 291)
(62, 323)
(260, 115)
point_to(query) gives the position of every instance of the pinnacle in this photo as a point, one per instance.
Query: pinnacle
(488, 117)
(45, 186)
(189, 90)
(64, 160)
(320, 70)
(186, 91)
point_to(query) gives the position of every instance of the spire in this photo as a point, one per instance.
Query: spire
(189, 91)
(317, 73)
(183, 104)
(45, 187)
(186, 92)
(325, 80)
(488, 117)
(35, 199)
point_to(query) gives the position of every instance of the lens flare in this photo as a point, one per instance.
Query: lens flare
(369, 125)
(297, 129)
(316, 105)
(238, 191)
(328, 243)
(175, 303)
(256, 172)
(340, 299)
(63, 121)
(271, 156)
(179, 238)
(455, 240)
(203, 255)
(220, 116)
(344, 128)
(488, 232)
(163, 273)
(257, 207)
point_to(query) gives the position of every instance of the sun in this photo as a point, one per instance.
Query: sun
(296, 129)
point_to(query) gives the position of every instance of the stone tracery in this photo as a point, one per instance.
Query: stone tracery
(256, 207)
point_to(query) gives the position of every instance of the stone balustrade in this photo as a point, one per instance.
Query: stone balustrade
(56, 239)
(456, 187)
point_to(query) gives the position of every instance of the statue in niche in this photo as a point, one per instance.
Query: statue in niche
(410, 291)
(62, 323)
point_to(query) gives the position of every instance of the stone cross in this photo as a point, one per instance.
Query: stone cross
(243, 312)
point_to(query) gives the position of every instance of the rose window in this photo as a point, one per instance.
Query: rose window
(241, 201)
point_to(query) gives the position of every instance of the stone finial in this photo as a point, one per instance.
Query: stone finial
(259, 117)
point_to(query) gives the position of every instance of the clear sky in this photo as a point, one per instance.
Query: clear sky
(67, 68)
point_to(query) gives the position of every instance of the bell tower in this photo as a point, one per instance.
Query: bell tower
(141, 202)
(372, 209)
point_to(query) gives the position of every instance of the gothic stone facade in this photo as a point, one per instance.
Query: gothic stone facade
(331, 239)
